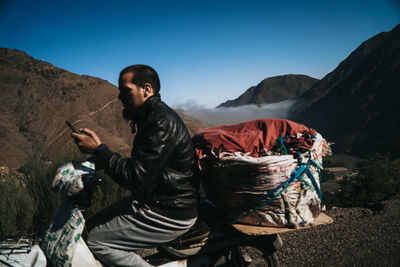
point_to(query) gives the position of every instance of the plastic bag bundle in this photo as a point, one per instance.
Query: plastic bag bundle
(65, 230)
(63, 235)
(271, 190)
(68, 180)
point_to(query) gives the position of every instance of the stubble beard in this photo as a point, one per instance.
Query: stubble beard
(127, 114)
(129, 117)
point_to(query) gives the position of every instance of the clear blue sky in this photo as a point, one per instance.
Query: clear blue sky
(207, 51)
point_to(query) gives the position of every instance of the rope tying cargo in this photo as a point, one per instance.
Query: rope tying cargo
(296, 175)
(281, 142)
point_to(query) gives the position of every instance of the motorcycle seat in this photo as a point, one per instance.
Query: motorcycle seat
(195, 237)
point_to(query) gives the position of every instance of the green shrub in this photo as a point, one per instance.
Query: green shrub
(27, 203)
(38, 179)
(328, 163)
(378, 179)
(327, 175)
(107, 193)
(17, 207)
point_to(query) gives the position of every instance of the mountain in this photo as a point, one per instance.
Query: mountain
(273, 89)
(356, 105)
(36, 100)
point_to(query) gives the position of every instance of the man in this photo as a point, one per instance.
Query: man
(159, 174)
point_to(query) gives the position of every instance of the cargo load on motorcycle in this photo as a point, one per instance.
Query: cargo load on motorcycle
(265, 172)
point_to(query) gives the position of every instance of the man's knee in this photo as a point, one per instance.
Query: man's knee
(94, 242)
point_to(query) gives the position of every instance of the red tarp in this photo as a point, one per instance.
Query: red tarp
(253, 136)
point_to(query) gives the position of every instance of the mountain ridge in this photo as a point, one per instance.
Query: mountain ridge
(273, 89)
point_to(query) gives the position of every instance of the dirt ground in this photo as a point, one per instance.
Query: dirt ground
(357, 237)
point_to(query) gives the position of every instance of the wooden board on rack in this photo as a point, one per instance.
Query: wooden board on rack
(267, 230)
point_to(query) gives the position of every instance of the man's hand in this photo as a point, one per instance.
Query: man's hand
(87, 141)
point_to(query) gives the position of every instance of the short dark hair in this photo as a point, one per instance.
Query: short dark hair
(143, 74)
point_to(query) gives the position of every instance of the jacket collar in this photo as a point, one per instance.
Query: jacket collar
(143, 111)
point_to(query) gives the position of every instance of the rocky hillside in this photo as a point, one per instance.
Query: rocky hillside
(37, 98)
(273, 89)
(356, 105)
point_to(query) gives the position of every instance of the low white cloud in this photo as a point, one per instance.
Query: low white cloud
(231, 115)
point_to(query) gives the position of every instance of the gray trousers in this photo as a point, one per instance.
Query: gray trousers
(127, 225)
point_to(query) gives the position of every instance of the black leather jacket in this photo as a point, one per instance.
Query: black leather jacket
(160, 170)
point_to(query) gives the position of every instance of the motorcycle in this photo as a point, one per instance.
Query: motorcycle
(211, 241)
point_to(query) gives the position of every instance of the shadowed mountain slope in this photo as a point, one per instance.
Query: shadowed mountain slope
(356, 105)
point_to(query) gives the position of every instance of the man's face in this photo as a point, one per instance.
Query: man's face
(131, 95)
